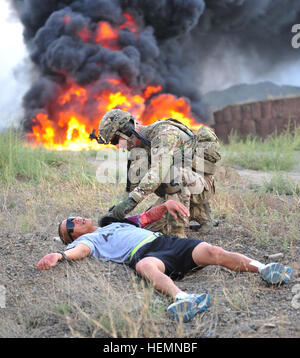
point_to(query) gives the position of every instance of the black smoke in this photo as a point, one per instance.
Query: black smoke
(257, 30)
(176, 39)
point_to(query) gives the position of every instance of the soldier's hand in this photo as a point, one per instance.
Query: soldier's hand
(123, 208)
(174, 207)
(103, 220)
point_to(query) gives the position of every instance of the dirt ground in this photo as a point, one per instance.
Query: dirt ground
(89, 298)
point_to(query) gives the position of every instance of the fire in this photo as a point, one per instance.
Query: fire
(167, 106)
(69, 128)
(70, 133)
(76, 91)
(117, 99)
(120, 96)
(85, 34)
(151, 90)
(129, 23)
(107, 36)
(66, 19)
(78, 110)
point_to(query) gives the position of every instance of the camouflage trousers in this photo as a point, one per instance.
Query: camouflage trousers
(198, 204)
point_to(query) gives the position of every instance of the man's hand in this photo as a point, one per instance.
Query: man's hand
(175, 206)
(48, 261)
(76, 253)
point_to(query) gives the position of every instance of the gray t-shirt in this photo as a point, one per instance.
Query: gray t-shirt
(113, 242)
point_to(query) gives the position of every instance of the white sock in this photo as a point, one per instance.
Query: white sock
(181, 295)
(257, 264)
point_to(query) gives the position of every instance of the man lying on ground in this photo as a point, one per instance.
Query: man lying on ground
(156, 257)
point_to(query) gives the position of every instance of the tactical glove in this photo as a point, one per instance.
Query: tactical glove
(105, 220)
(123, 208)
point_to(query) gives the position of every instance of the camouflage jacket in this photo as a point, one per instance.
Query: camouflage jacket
(154, 163)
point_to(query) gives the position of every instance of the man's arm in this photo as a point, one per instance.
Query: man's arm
(77, 253)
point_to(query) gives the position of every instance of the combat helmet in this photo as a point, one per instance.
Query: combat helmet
(114, 124)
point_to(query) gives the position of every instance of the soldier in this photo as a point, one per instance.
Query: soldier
(165, 143)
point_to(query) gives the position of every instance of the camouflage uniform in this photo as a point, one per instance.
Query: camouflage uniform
(193, 189)
(162, 172)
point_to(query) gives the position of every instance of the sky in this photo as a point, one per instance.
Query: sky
(15, 70)
(12, 60)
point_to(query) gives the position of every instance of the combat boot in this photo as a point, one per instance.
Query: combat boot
(202, 214)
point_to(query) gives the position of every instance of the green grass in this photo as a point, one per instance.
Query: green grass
(18, 161)
(280, 184)
(274, 153)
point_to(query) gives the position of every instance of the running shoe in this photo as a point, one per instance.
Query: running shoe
(187, 308)
(275, 273)
(288, 275)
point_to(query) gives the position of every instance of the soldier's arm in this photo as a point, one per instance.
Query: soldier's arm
(156, 213)
(163, 147)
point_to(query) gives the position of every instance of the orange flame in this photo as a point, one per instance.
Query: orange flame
(107, 36)
(69, 128)
(129, 24)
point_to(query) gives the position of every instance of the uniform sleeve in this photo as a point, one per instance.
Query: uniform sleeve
(163, 147)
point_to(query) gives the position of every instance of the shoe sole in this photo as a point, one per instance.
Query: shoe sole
(274, 273)
(186, 310)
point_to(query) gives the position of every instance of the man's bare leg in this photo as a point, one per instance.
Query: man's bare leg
(185, 306)
(205, 254)
(153, 269)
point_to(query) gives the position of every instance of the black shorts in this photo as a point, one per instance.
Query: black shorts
(175, 253)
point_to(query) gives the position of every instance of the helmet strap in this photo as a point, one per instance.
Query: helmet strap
(124, 136)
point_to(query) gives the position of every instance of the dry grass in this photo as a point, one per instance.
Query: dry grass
(271, 219)
(94, 299)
